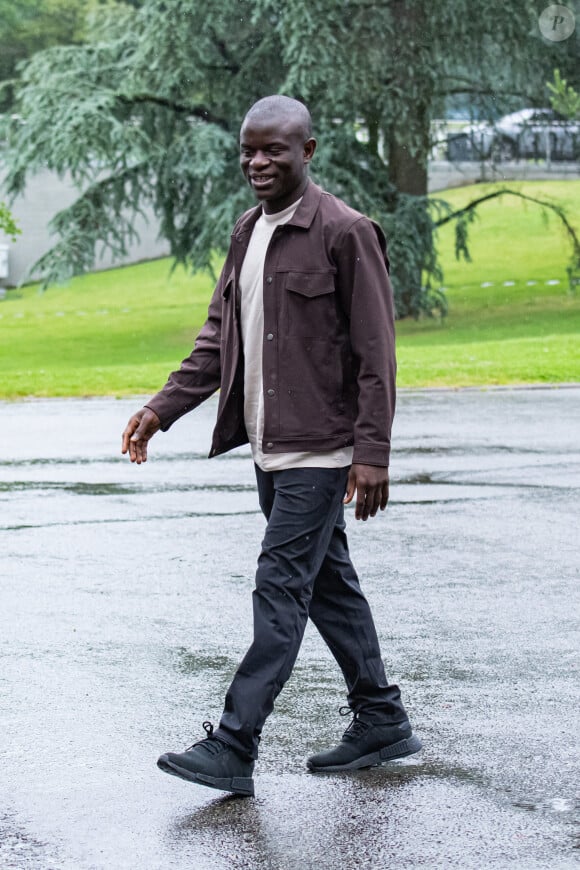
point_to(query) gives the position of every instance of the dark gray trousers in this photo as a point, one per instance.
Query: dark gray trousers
(304, 569)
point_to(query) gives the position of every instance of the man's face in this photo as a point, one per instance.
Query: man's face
(274, 159)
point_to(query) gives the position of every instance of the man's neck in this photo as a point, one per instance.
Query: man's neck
(273, 208)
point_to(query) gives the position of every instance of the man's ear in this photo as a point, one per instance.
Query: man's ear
(309, 149)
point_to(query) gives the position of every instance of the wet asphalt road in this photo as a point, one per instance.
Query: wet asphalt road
(125, 605)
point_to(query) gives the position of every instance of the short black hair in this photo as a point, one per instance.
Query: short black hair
(278, 104)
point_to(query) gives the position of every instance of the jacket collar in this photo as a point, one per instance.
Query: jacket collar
(303, 216)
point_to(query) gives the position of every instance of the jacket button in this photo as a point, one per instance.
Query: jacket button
(269, 444)
(269, 279)
(271, 392)
(270, 336)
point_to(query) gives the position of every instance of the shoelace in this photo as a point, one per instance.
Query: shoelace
(356, 727)
(211, 744)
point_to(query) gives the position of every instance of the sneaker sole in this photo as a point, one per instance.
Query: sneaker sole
(408, 746)
(240, 785)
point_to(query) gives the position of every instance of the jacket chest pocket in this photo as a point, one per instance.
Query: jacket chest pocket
(310, 304)
(229, 312)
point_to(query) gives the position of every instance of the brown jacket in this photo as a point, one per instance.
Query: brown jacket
(329, 345)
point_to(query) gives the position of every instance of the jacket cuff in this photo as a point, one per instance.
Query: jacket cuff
(371, 454)
(165, 410)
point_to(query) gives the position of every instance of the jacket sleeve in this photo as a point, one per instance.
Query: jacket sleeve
(200, 373)
(367, 300)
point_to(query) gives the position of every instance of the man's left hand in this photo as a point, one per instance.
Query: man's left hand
(371, 483)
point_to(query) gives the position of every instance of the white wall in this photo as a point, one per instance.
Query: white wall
(45, 195)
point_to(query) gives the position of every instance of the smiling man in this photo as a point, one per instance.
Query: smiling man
(300, 341)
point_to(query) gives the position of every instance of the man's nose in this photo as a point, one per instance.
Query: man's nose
(259, 160)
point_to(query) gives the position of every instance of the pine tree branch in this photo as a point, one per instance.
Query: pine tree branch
(179, 108)
(222, 49)
(506, 191)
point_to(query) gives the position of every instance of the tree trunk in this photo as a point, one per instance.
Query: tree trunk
(408, 144)
(407, 171)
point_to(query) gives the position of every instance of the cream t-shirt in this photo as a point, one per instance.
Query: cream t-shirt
(252, 319)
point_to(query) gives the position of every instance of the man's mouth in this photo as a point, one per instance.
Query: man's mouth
(261, 180)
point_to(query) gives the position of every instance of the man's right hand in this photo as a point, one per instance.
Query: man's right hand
(139, 430)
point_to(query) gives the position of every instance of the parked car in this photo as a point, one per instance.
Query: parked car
(536, 133)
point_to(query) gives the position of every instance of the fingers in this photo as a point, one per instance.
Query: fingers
(360, 509)
(385, 495)
(132, 425)
(372, 490)
(350, 487)
(140, 429)
(367, 502)
(138, 448)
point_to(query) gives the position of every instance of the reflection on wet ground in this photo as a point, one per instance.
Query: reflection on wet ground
(125, 607)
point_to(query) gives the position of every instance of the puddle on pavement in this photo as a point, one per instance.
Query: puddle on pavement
(101, 460)
(20, 850)
(469, 450)
(405, 770)
(158, 518)
(555, 805)
(187, 662)
(74, 488)
(437, 670)
(80, 488)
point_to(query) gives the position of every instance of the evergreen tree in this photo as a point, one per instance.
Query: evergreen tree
(147, 112)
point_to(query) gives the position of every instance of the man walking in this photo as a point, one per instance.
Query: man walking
(299, 340)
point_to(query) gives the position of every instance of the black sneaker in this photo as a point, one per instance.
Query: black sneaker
(365, 745)
(211, 762)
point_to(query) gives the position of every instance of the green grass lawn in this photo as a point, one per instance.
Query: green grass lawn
(108, 333)
(121, 332)
(512, 331)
